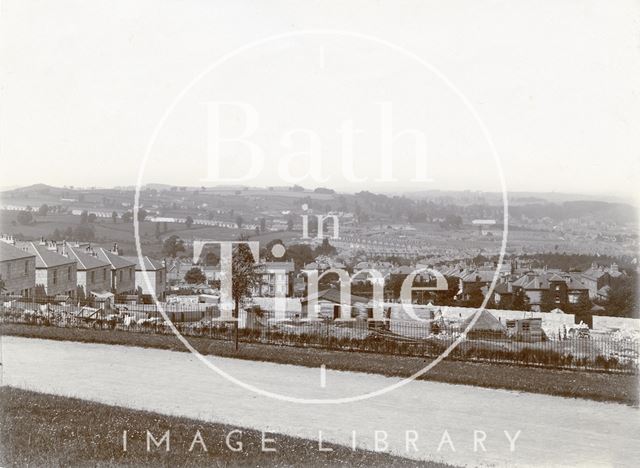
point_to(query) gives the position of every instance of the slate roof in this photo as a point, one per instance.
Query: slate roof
(10, 252)
(149, 264)
(46, 258)
(478, 276)
(116, 261)
(85, 260)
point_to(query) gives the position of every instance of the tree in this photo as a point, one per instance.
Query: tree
(43, 210)
(239, 221)
(583, 305)
(547, 302)
(84, 217)
(127, 217)
(290, 224)
(114, 217)
(172, 246)
(446, 297)
(245, 275)
(263, 224)
(25, 217)
(188, 222)
(211, 258)
(520, 300)
(622, 299)
(325, 248)
(195, 276)
(157, 230)
(142, 214)
(476, 298)
(394, 285)
(92, 217)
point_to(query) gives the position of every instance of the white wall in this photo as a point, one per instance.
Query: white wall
(604, 323)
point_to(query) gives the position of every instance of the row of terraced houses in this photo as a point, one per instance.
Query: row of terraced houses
(47, 269)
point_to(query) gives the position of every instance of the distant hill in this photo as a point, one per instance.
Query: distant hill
(597, 210)
(35, 188)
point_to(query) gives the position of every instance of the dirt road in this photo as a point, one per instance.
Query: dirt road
(547, 430)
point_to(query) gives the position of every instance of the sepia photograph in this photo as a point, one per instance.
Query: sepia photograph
(337, 233)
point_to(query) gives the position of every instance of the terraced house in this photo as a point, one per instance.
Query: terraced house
(157, 274)
(94, 275)
(56, 274)
(17, 271)
(123, 271)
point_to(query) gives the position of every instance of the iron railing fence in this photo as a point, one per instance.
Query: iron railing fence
(578, 349)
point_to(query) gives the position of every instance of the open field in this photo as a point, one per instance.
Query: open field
(580, 384)
(107, 232)
(47, 430)
(550, 430)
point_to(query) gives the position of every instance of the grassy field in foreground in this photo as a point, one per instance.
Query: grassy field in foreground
(44, 430)
(621, 388)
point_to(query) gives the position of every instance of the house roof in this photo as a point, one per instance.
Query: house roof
(116, 261)
(503, 288)
(478, 276)
(10, 252)
(46, 258)
(594, 273)
(85, 260)
(149, 264)
(575, 284)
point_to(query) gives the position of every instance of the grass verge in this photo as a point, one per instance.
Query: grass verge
(620, 388)
(46, 430)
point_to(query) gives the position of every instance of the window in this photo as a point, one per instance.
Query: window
(26, 268)
(104, 274)
(55, 276)
(130, 273)
(8, 270)
(93, 276)
(69, 273)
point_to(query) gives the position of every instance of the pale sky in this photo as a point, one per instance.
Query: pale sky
(83, 85)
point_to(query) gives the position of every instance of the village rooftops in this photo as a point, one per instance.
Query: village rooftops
(596, 271)
(478, 276)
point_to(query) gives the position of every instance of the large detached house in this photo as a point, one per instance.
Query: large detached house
(17, 271)
(547, 290)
